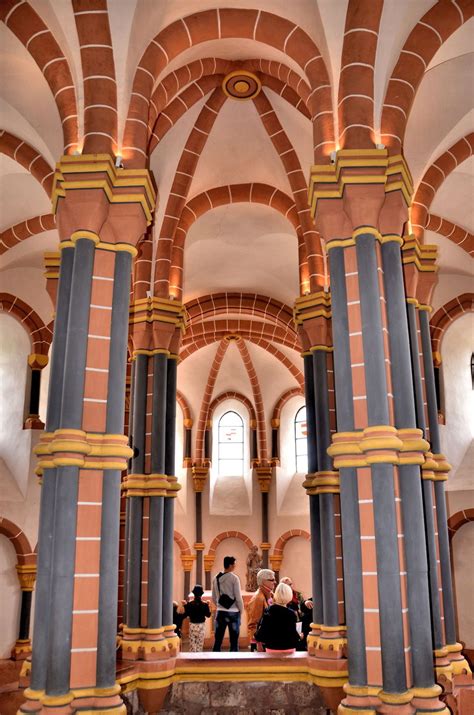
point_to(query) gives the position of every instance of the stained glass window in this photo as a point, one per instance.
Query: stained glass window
(301, 444)
(231, 445)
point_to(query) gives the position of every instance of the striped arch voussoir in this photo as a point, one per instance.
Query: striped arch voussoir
(229, 535)
(428, 35)
(40, 334)
(19, 541)
(437, 173)
(455, 233)
(39, 41)
(445, 316)
(459, 519)
(184, 405)
(21, 231)
(29, 158)
(182, 544)
(284, 538)
(285, 397)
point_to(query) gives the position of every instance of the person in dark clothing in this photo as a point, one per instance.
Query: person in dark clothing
(197, 611)
(277, 629)
(178, 616)
(306, 620)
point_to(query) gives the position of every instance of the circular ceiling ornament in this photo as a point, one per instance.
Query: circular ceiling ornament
(241, 84)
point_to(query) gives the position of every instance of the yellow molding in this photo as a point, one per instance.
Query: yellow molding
(96, 692)
(364, 230)
(41, 360)
(117, 247)
(322, 348)
(82, 233)
(65, 244)
(396, 698)
(391, 237)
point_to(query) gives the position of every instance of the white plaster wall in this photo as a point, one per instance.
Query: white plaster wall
(458, 432)
(291, 497)
(297, 564)
(451, 285)
(462, 550)
(10, 598)
(15, 442)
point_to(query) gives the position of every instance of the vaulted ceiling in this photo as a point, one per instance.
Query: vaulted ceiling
(76, 74)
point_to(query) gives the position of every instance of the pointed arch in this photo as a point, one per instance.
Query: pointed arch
(28, 158)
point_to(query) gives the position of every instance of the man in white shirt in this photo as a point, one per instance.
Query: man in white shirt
(228, 599)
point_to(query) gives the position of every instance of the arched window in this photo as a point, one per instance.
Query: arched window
(301, 443)
(230, 445)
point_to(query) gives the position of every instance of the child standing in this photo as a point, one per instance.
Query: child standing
(197, 611)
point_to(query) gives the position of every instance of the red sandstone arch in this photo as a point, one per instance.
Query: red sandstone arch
(183, 403)
(25, 229)
(444, 317)
(254, 193)
(207, 397)
(183, 545)
(284, 538)
(356, 86)
(29, 158)
(455, 233)
(425, 39)
(262, 451)
(194, 92)
(228, 535)
(98, 69)
(274, 75)
(289, 159)
(434, 177)
(254, 338)
(232, 395)
(268, 309)
(220, 23)
(142, 268)
(458, 519)
(40, 334)
(221, 327)
(30, 29)
(285, 397)
(19, 541)
(180, 188)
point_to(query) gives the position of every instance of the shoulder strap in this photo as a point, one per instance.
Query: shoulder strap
(217, 581)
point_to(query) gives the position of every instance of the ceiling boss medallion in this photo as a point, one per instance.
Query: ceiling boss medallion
(241, 84)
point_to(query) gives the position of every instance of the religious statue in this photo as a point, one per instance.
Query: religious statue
(254, 564)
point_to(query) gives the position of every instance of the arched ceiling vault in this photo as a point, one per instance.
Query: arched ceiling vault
(232, 236)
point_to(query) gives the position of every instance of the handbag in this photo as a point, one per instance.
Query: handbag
(224, 600)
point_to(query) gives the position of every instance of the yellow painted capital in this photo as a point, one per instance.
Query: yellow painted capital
(26, 576)
(37, 361)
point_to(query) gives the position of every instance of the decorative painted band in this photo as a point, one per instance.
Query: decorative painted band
(150, 485)
(86, 450)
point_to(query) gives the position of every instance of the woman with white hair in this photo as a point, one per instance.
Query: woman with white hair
(277, 629)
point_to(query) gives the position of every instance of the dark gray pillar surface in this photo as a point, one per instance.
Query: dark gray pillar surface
(35, 387)
(155, 563)
(265, 531)
(388, 579)
(353, 597)
(139, 413)
(158, 427)
(310, 413)
(25, 612)
(409, 475)
(416, 370)
(168, 558)
(372, 335)
(316, 576)
(199, 559)
(65, 516)
(134, 561)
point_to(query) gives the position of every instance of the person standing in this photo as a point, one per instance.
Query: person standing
(197, 611)
(259, 602)
(228, 600)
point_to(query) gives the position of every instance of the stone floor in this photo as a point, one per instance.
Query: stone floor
(11, 696)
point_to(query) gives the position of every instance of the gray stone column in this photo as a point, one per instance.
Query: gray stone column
(46, 535)
(65, 511)
(326, 501)
(168, 526)
(314, 511)
(155, 539)
(440, 497)
(388, 565)
(353, 595)
(409, 474)
(135, 503)
(110, 524)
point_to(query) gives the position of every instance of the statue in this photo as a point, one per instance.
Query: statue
(254, 564)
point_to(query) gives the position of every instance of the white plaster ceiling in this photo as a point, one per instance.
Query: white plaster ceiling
(241, 247)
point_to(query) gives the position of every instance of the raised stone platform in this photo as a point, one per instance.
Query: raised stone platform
(234, 683)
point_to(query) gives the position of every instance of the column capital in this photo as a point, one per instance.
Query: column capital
(209, 560)
(187, 561)
(322, 483)
(37, 361)
(167, 319)
(199, 474)
(312, 313)
(420, 270)
(275, 561)
(361, 186)
(86, 450)
(264, 476)
(378, 444)
(26, 576)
